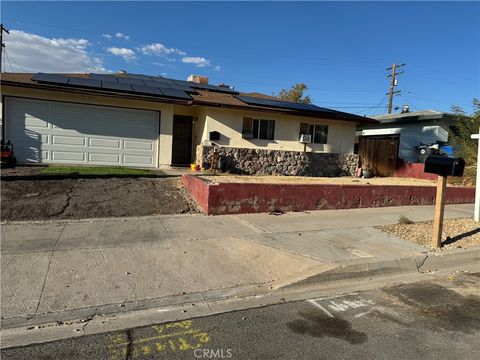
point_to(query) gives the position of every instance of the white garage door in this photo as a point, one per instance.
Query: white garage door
(56, 132)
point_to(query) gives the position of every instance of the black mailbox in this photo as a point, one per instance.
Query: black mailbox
(444, 166)
(214, 135)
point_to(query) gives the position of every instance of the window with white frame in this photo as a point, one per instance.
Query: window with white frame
(319, 133)
(258, 129)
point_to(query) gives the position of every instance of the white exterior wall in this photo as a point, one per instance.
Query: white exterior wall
(229, 123)
(166, 111)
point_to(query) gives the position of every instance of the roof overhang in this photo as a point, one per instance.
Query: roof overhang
(93, 92)
(377, 132)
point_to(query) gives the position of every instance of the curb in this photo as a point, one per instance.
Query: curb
(360, 269)
(436, 260)
(346, 277)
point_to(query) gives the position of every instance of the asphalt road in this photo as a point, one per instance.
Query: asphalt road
(435, 319)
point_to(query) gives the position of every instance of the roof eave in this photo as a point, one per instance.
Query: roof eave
(317, 115)
(97, 93)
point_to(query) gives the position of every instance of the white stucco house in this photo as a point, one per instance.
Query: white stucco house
(147, 121)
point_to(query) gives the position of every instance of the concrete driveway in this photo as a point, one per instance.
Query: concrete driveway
(55, 267)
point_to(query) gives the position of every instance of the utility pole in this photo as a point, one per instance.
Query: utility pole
(393, 83)
(2, 29)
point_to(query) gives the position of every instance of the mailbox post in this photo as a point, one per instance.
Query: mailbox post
(476, 214)
(443, 167)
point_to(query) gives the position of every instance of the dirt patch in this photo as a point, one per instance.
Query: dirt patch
(457, 233)
(437, 307)
(47, 198)
(344, 180)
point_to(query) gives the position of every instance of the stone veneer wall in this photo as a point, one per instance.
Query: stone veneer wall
(280, 162)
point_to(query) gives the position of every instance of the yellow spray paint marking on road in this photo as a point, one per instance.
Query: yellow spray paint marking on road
(166, 338)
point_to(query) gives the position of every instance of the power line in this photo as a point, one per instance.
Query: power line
(382, 102)
(2, 45)
(8, 59)
(318, 60)
(456, 77)
(13, 59)
(409, 102)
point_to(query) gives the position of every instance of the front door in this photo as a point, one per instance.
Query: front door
(182, 140)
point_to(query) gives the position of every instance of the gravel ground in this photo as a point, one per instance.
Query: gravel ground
(345, 180)
(457, 233)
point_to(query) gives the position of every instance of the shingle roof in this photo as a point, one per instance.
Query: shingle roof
(203, 97)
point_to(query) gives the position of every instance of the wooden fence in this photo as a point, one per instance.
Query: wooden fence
(379, 153)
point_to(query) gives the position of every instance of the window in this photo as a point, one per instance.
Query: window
(319, 133)
(258, 129)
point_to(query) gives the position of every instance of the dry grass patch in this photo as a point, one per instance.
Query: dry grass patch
(343, 180)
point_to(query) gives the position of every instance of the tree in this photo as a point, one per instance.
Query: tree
(464, 145)
(296, 94)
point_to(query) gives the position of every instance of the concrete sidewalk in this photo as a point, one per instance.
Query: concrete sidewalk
(58, 267)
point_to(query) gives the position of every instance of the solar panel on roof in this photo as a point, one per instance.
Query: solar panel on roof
(177, 86)
(156, 84)
(129, 80)
(183, 88)
(221, 89)
(103, 77)
(175, 93)
(281, 104)
(142, 89)
(111, 85)
(91, 83)
(162, 79)
(50, 78)
(135, 76)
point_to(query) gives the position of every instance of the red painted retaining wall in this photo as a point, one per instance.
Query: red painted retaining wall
(414, 170)
(238, 198)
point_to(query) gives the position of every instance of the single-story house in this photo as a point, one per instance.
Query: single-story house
(150, 121)
(411, 129)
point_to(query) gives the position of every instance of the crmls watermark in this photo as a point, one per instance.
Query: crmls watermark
(213, 353)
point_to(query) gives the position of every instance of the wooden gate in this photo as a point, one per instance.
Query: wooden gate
(379, 153)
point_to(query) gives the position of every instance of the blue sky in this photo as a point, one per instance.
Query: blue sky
(339, 49)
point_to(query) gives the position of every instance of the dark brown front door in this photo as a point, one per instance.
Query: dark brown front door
(182, 140)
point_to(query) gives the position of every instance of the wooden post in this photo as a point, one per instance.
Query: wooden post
(439, 207)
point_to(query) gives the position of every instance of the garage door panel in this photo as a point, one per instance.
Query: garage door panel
(34, 122)
(104, 158)
(68, 156)
(68, 140)
(137, 160)
(137, 145)
(81, 134)
(104, 143)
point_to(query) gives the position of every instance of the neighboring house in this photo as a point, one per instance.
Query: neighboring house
(412, 129)
(143, 121)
